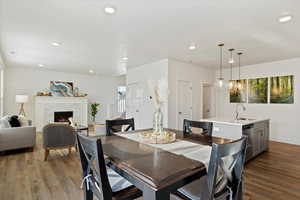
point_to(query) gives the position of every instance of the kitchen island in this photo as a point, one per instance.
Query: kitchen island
(257, 130)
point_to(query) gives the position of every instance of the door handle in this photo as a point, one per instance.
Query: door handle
(179, 113)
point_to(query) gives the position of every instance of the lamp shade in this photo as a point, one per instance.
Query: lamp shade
(21, 98)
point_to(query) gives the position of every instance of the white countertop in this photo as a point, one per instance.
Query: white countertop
(233, 121)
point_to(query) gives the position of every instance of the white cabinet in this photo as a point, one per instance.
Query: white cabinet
(227, 131)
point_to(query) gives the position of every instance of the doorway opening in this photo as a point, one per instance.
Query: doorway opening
(209, 101)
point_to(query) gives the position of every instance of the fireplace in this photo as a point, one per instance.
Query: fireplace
(62, 116)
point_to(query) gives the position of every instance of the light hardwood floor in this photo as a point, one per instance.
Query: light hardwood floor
(25, 176)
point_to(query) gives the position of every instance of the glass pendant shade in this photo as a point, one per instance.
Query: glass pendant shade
(231, 61)
(220, 82)
(239, 84)
(221, 79)
(231, 84)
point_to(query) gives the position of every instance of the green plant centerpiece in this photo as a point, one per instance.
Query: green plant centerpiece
(94, 110)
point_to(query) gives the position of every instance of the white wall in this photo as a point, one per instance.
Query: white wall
(187, 72)
(172, 71)
(140, 75)
(2, 68)
(102, 90)
(285, 120)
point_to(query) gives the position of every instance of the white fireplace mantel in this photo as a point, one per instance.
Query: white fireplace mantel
(45, 107)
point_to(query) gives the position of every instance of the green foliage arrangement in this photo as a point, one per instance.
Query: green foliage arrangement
(94, 110)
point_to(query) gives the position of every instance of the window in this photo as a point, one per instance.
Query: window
(121, 99)
(1, 91)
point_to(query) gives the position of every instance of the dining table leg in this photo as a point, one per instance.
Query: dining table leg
(150, 194)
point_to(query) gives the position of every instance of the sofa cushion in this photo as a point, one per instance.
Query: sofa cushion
(4, 122)
(23, 120)
(14, 121)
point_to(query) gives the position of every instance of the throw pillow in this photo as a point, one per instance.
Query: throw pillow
(4, 122)
(14, 121)
(23, 120)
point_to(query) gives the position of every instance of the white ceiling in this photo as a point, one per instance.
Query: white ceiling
(145, 31)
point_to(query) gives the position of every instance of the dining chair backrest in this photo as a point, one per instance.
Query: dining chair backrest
(228, 160)
(95, 178)
(113, 126)
(205, 126)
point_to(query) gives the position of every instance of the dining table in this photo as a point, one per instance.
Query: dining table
(159, 169)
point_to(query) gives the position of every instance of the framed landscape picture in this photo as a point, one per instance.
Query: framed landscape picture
(61, 89)
(258, 90)
(282, 89)
(238, 93)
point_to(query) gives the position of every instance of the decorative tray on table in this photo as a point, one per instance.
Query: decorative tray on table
(153, 137)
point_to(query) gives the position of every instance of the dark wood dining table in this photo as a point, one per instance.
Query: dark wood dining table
(155, 171)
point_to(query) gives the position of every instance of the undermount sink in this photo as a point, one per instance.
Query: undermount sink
(245, 119)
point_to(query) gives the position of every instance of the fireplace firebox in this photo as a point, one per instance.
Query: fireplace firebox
(62, 116)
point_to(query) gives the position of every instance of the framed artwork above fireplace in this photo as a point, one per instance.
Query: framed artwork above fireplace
(61, 89)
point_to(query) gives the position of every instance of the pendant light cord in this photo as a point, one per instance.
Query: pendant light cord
(240, 53)
(231, 62)
(239, 67)
(231, 66)
(221, 59)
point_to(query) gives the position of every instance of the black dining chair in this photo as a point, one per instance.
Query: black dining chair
(205, 126)
(113, 126)
(99, 180)
(224, 177)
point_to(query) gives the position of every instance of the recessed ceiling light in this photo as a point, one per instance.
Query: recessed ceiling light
(125, 58)
(41, 65)
(56, 44)
(285, 18)
(192, 47)
(91, 71)
(110, 10)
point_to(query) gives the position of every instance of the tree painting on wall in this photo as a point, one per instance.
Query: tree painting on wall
(282, 89)
(258, 90)
(238, 93)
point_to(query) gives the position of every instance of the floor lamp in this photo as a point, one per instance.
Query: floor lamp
(21, 99)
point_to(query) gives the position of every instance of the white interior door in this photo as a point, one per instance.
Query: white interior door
(208, 101)
(184, 102)
(133, 103)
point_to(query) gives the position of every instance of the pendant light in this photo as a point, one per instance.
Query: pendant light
(221, 79)
(239, 85)
(231, 61)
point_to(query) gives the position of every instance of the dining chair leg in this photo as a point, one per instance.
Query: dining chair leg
(150, 194)
(88, 194)
(241, 190)
(46, 154)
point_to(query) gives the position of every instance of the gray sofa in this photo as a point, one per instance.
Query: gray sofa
(17, 138)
